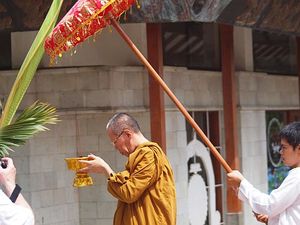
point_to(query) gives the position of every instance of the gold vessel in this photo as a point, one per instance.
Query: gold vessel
(81, 179)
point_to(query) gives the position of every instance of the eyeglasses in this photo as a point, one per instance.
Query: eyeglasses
(117, 138)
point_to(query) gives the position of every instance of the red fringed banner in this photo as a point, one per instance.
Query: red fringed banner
(84, 19)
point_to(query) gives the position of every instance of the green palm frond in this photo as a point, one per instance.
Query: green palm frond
(31, 121)
(30, 64)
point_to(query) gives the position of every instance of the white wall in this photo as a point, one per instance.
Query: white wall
(258, 92)
(107, 48)
(86, 97)
(243, 49)
(266, 91)
(177, 154)
(253, 154)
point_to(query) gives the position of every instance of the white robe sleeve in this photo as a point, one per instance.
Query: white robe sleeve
(275, 203)
(13, 214)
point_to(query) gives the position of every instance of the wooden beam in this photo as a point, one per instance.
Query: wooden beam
(5, 46)
(298, 64)
(156, 97)
(214, 132)
(230, 110)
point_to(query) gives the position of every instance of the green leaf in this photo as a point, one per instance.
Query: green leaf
(31, 121)
(30, 65)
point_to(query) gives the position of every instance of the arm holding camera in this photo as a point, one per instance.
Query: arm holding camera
(14, 209)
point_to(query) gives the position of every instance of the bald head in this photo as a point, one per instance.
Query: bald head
(121, 121)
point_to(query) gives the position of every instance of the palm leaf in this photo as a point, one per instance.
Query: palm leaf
(31, 121)
(30, 65)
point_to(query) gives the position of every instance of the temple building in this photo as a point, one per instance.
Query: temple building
(233, 64)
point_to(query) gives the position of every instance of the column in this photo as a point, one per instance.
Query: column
(230, 114)
(156, 97)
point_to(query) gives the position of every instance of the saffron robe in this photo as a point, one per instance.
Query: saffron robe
(146, 189)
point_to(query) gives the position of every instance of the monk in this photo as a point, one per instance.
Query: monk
(145, 189)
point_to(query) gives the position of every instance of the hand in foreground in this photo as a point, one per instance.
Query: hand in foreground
(8, 176)
(8, 183)
(95, 164)
(235, 178)
(261, 218)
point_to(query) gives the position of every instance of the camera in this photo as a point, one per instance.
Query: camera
(3, 164)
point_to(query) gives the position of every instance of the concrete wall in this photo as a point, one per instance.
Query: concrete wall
(253, 154)
(105, 48)
(258, 92)
(96, 205)
(87, 96)
(266, 91)
(177, 154)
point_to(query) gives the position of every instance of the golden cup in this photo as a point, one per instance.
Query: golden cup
(81, 179)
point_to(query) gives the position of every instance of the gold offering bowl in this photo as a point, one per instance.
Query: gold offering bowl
(81, 179)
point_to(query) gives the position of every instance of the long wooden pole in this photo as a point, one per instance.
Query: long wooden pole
(171, 95)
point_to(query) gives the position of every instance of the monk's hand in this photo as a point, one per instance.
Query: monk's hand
(95, 164)
(261, 218)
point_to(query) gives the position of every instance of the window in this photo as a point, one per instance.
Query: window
(192, 45)
(275, 121)
(209, 124)
(274, 53)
